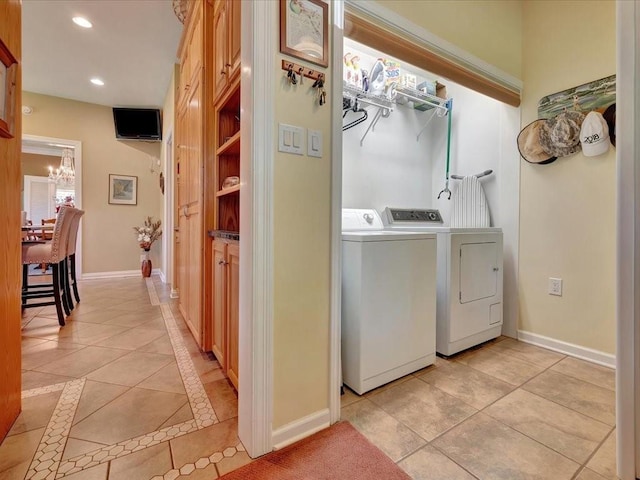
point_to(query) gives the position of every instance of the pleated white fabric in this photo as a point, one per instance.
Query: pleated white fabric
(469, 207)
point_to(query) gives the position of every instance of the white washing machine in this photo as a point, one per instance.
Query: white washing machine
(388, 301)
(469, 286)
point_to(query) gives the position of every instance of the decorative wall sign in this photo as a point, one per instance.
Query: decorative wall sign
(596, 95)
(8, 69)
(123, 190)
(304, 30)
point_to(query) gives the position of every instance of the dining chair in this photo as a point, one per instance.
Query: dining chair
(47, 221)
(54, 253)
(71, 253)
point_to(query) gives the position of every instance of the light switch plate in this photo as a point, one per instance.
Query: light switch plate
(290, 139)
(314, 143)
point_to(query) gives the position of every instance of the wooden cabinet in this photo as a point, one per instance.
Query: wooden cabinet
(219, 331)
(227, 29)
(225, 307)
(208, 152)
(191, 147)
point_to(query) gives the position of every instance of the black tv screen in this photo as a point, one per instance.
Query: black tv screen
(137, 123)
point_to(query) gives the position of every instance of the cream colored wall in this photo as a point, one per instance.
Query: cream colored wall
(567, 209)
(302, 259)
(488, 29)
(109, 243)
(38, 165)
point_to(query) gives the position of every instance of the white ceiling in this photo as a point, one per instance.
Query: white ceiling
(132, 47)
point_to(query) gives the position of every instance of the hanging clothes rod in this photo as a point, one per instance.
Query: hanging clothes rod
(477, 175)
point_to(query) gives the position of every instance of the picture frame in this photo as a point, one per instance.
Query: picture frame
(8, 73)
(304, 30)
(123, 189)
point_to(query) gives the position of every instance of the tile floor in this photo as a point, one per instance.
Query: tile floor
(503, 411)
(120, 392)
(123, 392)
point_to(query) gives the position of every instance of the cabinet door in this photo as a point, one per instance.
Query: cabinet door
(182, 263)
(233, 36)
(220, 61)
(233, 317)
(194, 144)
(194, 318)
(478, 271)
(182, 153)
(218, 310)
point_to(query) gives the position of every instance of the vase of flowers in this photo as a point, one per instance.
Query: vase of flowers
(147, 234)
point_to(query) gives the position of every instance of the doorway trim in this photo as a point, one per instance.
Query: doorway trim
(628, 242)
(168, 199)
(257, 87)
(77, 160)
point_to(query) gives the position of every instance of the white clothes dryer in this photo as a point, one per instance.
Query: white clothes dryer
(469, 271)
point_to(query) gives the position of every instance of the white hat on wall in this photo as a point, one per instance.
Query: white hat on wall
(594, 135)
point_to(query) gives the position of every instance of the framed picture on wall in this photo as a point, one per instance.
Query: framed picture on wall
(8, 69)
(123, 190)
(304, 27)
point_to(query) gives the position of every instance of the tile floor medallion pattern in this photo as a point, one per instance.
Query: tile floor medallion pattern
(34, 392)
(47, 462)
(153, 294)
(201, 463)
(200, 404)
(47, 458)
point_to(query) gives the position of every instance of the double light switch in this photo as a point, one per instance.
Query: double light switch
(291, 140)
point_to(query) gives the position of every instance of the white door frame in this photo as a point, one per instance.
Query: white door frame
(628, 240)
(46, 143)
(257, 90)
(168, 220)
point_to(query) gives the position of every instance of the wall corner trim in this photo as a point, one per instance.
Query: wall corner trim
(299, 429)
(573, 350)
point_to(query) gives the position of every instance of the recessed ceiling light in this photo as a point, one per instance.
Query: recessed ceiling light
(83, 22)
(97, 81)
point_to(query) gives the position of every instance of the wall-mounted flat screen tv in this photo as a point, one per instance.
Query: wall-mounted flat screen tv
(137, 123)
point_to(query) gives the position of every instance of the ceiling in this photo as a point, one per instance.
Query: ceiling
(132, 47)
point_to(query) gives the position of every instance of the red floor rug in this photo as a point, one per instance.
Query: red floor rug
(337, 453)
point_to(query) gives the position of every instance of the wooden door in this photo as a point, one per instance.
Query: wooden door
(10, 362)
(233, 316)
(218, 340)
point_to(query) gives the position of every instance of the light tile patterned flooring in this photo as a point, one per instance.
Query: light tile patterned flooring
(122, 392)
(503, 411)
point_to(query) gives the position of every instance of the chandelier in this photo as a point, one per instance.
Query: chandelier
(66, 174)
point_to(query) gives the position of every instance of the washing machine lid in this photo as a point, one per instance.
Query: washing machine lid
(358, 219)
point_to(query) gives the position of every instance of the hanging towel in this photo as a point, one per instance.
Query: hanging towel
(469, 207)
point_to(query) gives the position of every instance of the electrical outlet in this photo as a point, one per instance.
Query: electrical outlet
(555, 286)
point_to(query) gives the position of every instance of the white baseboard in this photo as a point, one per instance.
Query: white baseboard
(294, 431)
(163, 279)
(584, 353)
(118, 274)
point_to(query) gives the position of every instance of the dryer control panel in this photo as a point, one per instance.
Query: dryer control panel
(424, 217)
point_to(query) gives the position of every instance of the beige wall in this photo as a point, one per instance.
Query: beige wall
(567, 209)
(302, 259)
(488, 29)
(108, 242)
(38, 165)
